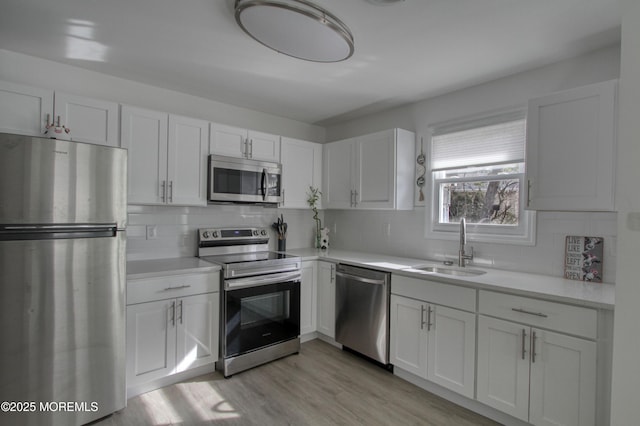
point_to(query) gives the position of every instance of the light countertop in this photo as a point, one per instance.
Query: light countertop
(558, 289)
(138, 269)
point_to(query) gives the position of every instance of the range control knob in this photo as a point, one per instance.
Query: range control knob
(205, 235)
(263, 232)
(215, 234)
(255, 232)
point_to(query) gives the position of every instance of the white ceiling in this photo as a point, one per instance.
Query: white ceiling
(403, 52)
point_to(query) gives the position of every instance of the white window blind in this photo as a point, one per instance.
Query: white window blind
(494, 140)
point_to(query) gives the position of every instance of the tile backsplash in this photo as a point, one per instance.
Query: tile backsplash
(401, 233)
(158, 232)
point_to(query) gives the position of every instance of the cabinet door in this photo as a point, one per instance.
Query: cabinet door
(187, 161)
(327, 299)
(151, 341)
(375, 171)
(452, 349)
(24, 109)
(408, 342)
(301, 168)
(89, 120)
(144, 134)
(263, 146)
(338, 174)
(227, 140)
(197, 320)
(308, 297)
(571, 149)
(563, 380)
(503, 366)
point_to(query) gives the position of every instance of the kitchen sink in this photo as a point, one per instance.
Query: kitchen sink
(450, 271)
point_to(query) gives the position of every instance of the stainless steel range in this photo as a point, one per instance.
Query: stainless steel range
(260, 303)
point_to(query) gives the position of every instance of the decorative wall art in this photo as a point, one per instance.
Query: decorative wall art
(583, 258)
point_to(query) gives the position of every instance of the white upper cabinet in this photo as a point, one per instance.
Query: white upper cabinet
(301, 168)
(374, 171)
(242, 143)
(339, 164)
(88, 120)
(571, 149)
(29, 111)
(187, 161)
(24, 109)
(167, 157)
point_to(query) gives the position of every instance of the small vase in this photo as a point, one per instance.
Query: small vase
(318, 234)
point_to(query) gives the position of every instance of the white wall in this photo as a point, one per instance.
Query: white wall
(23, 69)
(626, 353)
(366, 230)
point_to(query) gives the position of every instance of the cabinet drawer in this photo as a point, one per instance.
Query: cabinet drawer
(430, 291)
(149, 289)
(540, 313)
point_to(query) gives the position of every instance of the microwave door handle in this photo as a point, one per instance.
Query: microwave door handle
(264, 184)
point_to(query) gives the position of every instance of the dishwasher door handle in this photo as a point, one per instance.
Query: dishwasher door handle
(360, 279)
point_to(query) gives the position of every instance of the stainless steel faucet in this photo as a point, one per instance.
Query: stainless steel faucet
(463, 257)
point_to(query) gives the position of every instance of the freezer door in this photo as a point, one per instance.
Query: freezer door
(62, 327)
(52, 181)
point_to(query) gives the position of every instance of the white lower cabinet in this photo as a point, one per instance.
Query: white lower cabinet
(434, 342)
(172, 335)
(327, 299)
(539, 376)
(308, 297)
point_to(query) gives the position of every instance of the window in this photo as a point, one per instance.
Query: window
(477, 169)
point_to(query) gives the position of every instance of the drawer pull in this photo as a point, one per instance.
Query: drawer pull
(533, 346)
(524, 336)
(522, 311)
(180, 287)
(429, 324)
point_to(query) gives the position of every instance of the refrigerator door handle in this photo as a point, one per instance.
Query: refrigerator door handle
(45, 232)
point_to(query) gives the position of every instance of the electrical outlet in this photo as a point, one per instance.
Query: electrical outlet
(152, 232)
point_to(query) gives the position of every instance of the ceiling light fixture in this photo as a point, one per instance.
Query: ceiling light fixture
(296, 28)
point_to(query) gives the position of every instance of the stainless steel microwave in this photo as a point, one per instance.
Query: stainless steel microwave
(239, 180)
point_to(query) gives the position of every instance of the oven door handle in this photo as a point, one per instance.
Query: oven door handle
(282, 277)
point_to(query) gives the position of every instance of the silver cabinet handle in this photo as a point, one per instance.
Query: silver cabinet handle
(179, 287)
(332, 276)
(422, 322)
(173, 313)
(429, 323)
(250, 148)
(244, 147)
(163, 190)
(523, 311)
(355, 198)
(533, 346)
(180, 307)
(171, 191)
(283, 202)
(524, 336)
(528, 192)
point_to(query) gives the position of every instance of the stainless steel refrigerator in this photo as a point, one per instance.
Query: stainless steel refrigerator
(62, 280)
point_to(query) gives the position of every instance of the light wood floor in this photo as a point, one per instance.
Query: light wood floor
(321, 386)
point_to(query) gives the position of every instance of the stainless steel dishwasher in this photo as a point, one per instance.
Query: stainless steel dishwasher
(362, 311)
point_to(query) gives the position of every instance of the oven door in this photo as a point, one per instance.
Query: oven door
(241, 180)
(260, 311)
